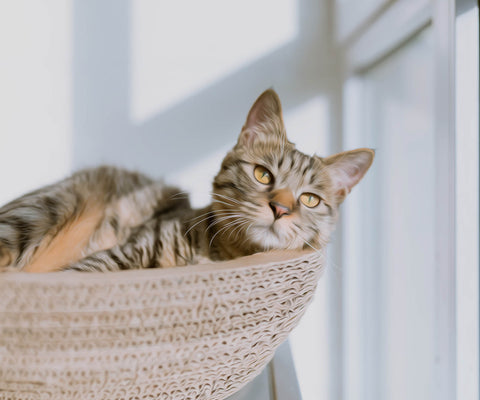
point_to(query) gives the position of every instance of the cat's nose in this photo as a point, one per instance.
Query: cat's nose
(279, 210)
(282, 202)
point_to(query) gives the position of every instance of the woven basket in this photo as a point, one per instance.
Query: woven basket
(196, 332)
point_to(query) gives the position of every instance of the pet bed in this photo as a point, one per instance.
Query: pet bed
(196, 332)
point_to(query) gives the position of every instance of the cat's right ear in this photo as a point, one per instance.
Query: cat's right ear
(264, 120)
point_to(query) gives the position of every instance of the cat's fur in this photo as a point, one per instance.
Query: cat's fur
(109, 219)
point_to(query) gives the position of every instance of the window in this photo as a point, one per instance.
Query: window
(393, 255)
(409, 239)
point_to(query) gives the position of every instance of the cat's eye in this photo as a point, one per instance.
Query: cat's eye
(263, 175)
(310, 200)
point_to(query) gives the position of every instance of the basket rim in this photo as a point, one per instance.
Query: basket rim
(263, 259)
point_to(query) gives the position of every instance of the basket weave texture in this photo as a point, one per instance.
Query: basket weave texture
(196, 332)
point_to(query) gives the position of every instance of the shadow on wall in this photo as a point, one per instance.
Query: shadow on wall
(197, 125)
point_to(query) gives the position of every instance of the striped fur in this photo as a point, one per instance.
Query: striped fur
(109, 219)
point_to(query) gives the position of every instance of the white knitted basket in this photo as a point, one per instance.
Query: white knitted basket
(196, 332)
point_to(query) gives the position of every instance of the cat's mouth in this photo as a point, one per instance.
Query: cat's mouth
(269, 235)
(272, 229)
(277, 231)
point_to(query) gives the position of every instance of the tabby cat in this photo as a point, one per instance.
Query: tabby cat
(267, 195)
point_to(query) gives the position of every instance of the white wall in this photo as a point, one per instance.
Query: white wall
(389, 229)
(35, 95)
(150, 82)
(163, 87)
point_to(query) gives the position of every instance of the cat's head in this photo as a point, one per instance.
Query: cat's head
(269, 195)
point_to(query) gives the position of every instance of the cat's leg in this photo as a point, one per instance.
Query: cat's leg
(133, 214)
(44, 229)
(26, 221)
(156, 244)
(92, 210)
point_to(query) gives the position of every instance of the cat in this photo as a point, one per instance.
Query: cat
(267, 195)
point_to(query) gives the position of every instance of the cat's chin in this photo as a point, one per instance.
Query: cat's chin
(270, 237)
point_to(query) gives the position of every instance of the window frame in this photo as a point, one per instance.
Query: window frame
(390, 29)
(467, 197)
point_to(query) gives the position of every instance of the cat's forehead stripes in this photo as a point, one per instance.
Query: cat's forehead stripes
(295, 170)
(290, 169)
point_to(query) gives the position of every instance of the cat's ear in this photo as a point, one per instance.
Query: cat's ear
(264, 120)
(347, 168)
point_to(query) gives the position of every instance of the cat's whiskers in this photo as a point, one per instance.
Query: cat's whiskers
(218, 220)
(199, 222)
(205, 218)
(180, 195)
(245, 237)
(201, 216)
(238, 227)
(246, 232)
(307, 242)
(222, 202)
(224, 228)
(226, 197)
(236, 220)
(216, 233)
(210, 213)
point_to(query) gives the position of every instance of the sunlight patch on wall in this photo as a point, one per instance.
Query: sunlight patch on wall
(308, 126)
(179, 48)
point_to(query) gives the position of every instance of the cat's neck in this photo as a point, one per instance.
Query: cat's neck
(210, 235)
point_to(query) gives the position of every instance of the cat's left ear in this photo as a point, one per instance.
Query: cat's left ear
(264, 121)
(347, 168)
